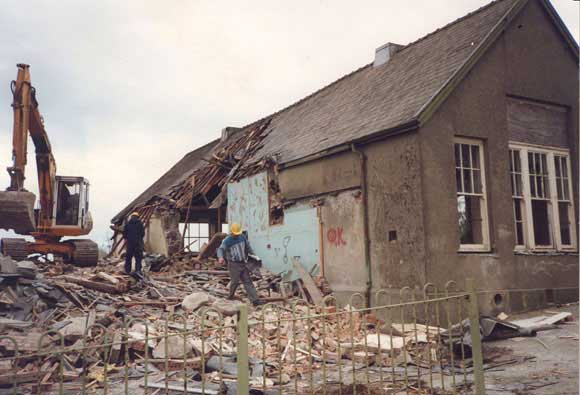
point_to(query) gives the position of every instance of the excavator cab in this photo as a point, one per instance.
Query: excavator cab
(71, 206)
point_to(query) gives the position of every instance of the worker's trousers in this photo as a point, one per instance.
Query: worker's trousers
(240, 271)
(133, 252)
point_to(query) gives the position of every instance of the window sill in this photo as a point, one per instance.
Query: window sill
(546, 252)
(476, 250)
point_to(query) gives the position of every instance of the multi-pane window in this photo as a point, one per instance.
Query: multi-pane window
(565, 211)
(471, 201)
(517, 196)
(195, 235)
(541, 193)
(540, 197)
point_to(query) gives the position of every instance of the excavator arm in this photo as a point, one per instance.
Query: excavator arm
(17, 202)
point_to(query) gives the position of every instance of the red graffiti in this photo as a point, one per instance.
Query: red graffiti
(334, 236)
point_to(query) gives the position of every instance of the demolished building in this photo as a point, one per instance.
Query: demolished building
(453, 156)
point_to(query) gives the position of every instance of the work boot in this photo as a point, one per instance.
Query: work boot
(137, 275)
(258, 302)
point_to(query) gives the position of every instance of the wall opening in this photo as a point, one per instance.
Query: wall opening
(195, 234)
(275, 204)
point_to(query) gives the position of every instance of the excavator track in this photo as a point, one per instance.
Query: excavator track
(85, 253)
(17, 249)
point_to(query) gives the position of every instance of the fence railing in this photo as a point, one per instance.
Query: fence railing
(420, 345)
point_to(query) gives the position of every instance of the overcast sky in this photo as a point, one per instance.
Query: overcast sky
(127, 88)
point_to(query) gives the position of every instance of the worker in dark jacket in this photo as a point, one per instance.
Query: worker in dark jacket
(235, 249)
(133, 233)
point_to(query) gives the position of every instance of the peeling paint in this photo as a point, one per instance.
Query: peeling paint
(275, 244)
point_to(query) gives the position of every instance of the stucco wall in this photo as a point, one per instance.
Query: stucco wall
(394, 200)
(528, 60)
(343, 243)
(155, 241)
(335, 173)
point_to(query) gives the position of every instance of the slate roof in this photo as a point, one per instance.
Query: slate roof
(374, 99)
(367, 101)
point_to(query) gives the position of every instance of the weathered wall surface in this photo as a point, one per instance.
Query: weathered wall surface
(394, 199)
(541, 66)
(162, 236)
(335, 173)
(155, 241)
(528, 60)
(343, 243)
(276, 244)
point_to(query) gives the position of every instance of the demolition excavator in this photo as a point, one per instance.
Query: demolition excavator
(63, 208)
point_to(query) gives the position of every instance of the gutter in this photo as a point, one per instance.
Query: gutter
(409, 126)
(367, 248)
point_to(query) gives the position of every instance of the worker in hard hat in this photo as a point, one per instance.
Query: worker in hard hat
(133, 233)
(234, 250)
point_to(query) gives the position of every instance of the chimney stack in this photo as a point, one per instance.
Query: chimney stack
(228, 131)
(384, 53)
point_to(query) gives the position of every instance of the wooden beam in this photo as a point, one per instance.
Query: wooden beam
(98, 286)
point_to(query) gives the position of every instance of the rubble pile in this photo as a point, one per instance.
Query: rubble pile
(178, 321)
(84, 307)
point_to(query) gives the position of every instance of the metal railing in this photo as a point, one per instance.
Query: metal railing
(415, 346)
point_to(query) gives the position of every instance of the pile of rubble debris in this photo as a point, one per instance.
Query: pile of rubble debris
(177, 325)
(45, 303)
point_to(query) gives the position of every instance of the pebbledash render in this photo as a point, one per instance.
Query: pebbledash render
(452, 157)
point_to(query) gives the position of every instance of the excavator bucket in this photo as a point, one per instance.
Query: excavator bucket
(17, 211)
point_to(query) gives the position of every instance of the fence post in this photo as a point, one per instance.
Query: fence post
(476, 347)
(243, 373)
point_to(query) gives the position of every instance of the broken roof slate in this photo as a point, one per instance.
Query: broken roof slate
(177, 174)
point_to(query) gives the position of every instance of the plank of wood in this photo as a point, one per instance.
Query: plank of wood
(210, 248)
(107, 277)
(9, 323)
(191, 388)
(161, 303)
(309, 284)
(103, 287)
(20, 377)
(28, 342)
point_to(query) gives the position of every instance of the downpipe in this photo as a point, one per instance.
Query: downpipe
(367, 240)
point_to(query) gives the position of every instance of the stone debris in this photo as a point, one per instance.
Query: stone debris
(180, 317)
(194, 301)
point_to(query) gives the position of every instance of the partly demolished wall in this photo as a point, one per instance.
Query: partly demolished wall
(322, 222)
(277, 245)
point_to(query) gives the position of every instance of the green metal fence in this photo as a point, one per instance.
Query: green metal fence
(414, 346)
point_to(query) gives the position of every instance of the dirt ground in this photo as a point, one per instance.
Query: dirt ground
(550, 365)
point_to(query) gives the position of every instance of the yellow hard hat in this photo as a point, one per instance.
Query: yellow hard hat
(236, 229)
(135, 214)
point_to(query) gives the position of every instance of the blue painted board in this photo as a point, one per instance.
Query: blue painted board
(275, 244)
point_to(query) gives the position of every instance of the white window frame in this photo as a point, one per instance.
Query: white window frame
(553, 213)
(485, 246)
(519, 247)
